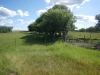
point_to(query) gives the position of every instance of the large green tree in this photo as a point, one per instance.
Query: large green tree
(56, 20)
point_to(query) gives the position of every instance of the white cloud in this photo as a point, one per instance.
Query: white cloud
(83, 18)
(9, 21)
(41, 12)
(77, 7)
(20, 20)
(4, 12)
(85, 21)
(84, 25)
(67, 2)
(25, 22)
(48, 7)
(22, 14)
(22, 25)
(79, 26)
(29, 22)
(3, 18)
(71, 6)
(3, 22)
(47, 1)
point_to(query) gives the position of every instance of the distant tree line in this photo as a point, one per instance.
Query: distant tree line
(96, 28)
(90, 29)
(5, 29)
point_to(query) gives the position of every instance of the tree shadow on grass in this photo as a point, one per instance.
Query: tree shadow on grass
(37, 38)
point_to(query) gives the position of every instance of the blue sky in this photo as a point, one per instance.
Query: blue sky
(20, 13)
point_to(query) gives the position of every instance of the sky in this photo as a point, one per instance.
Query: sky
(20, 13)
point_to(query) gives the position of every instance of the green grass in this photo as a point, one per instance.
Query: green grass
(86, 34)
(30, 56)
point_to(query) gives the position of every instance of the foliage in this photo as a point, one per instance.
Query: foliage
(97, 27)
(82, 30)
(5, 29)
(55, 20)
(90, 29)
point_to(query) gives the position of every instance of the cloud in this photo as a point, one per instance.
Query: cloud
(22, 14)
(25, 22)
(2, 18)
(85, 21)
(22, 25)
(47, 1)
(20, 20)
(41, 11)
(71, 6)
(67, 2)
(83, 18)
(79, 26)
(9, 21)
(4, 12)
(29, 22)
(77, 7)
(48, 7)
(3, 22)
(84, 25)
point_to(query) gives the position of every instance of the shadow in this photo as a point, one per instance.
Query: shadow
(37, 38)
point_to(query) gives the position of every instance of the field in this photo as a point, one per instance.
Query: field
(24, 53)
(86, 34)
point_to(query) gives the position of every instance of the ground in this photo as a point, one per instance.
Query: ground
(24, 53)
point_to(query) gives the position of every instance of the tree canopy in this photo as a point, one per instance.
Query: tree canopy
(57, 19)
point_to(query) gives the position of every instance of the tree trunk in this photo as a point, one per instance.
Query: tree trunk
(63, 36)
(64, 33)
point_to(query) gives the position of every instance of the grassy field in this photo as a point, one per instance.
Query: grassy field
(91, 36)
(24, 53)
(86, 34)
